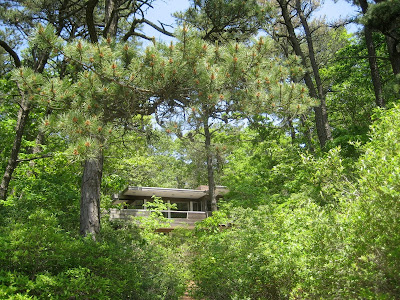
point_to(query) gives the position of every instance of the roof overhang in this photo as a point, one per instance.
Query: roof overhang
(170, 193)
(163, 192)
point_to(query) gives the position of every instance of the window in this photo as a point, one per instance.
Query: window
(137, 204)
(196, 206)
(182, 206)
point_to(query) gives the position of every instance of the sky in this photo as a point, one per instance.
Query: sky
(163, 10)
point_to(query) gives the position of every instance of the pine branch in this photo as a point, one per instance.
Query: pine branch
(10, 51)
(34, 158)
(90, 68)
(132, 32)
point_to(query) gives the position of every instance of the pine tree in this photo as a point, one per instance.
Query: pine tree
(223, 85)
(224, 21)
(110, 83)
(293, 26)
(117, 19)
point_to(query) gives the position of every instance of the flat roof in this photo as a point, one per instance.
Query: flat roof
(163, 192)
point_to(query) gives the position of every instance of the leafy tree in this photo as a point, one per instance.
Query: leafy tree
(23, 114)
(93, 103)
(144, 156)
(191, 151)
(22, 16)
(351, 97)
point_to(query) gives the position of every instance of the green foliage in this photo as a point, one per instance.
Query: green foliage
(7, 124)
(384, 16)
(219, 20)
(297, 225)
(43, 256)
(278, 171)
(218, 91)
(376, 208)
(264, 254)
(43, 261)
(300, 249)
(148, 157)
(52, 183)
(155, 219)
(351, 101)
(258, 170)
(9, 100)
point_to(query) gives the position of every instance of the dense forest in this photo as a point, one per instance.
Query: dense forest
(296, 116)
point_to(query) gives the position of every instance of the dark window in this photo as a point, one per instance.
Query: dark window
(137, 204)
(196, 206)
(182, 206)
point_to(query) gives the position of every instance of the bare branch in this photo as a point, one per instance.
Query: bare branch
(158, 28)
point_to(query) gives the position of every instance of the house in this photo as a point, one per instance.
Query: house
(191, 204)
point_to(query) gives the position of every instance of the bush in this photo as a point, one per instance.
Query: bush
(41, 260)
(345, 247)
(376, 209)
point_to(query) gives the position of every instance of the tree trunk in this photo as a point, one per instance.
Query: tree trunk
(321, 113)
(111, 18)
(22, 118)
(90, 196)
(307, 133)
(373, 65)
(392, 43)
(90, 7)
(394, 54)
(93, 167)
(210, 167)
(23, 115)
(292, 130)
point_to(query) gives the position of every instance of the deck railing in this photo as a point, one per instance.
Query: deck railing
(179, 217)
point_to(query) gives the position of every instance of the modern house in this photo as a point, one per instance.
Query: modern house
(191, 204)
